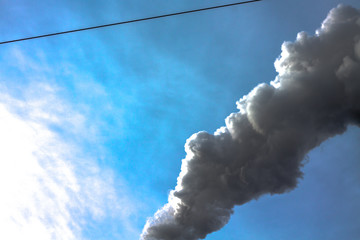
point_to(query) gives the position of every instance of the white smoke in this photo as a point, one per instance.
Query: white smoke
(315, 96)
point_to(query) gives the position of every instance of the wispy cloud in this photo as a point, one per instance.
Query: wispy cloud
(50, 187)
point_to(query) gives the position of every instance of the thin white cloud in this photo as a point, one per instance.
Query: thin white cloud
(50, 188)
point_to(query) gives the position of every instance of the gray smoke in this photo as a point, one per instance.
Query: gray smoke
(261, 150)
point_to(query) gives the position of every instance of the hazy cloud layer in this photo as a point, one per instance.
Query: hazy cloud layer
(315, 96)
(50, 187)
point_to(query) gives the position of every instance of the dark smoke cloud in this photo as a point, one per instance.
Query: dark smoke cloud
(261, 150)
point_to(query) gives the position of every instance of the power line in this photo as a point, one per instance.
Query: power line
(129, 21)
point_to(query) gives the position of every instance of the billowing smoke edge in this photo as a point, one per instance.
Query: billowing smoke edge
(315, 96)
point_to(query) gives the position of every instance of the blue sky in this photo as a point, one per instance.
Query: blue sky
(94, 123)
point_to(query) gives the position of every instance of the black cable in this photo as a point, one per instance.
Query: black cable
(125, 22)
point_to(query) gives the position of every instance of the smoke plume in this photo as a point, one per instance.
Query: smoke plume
(315, 95)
